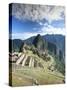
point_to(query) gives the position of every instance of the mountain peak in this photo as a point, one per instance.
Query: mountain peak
(39, 42)
(38, 35)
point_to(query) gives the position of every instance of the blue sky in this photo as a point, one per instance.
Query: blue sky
(30, 20)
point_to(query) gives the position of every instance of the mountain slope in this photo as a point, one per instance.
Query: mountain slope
(57, 40)
(14, 45)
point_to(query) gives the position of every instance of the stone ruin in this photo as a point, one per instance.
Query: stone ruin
(25, 60)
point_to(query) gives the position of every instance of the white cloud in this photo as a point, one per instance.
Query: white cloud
(23, 36)
(41, 23)
(52, 30)
(43, 31)
(38, 12)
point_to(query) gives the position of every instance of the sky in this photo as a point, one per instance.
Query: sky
(29, 20)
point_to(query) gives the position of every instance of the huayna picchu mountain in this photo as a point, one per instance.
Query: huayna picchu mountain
(39, 43)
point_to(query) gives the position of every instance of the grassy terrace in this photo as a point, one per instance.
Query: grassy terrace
(25, 76)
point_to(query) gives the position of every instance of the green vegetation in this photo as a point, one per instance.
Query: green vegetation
(44, 73)
(48, 68)
(28, 76)
(60, 66)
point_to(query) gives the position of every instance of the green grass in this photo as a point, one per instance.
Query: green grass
(27, 76)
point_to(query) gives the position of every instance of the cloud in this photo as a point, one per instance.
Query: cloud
(40, 23)
(22, 36)
(43, 31)
(48, 29)
(38, 12)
